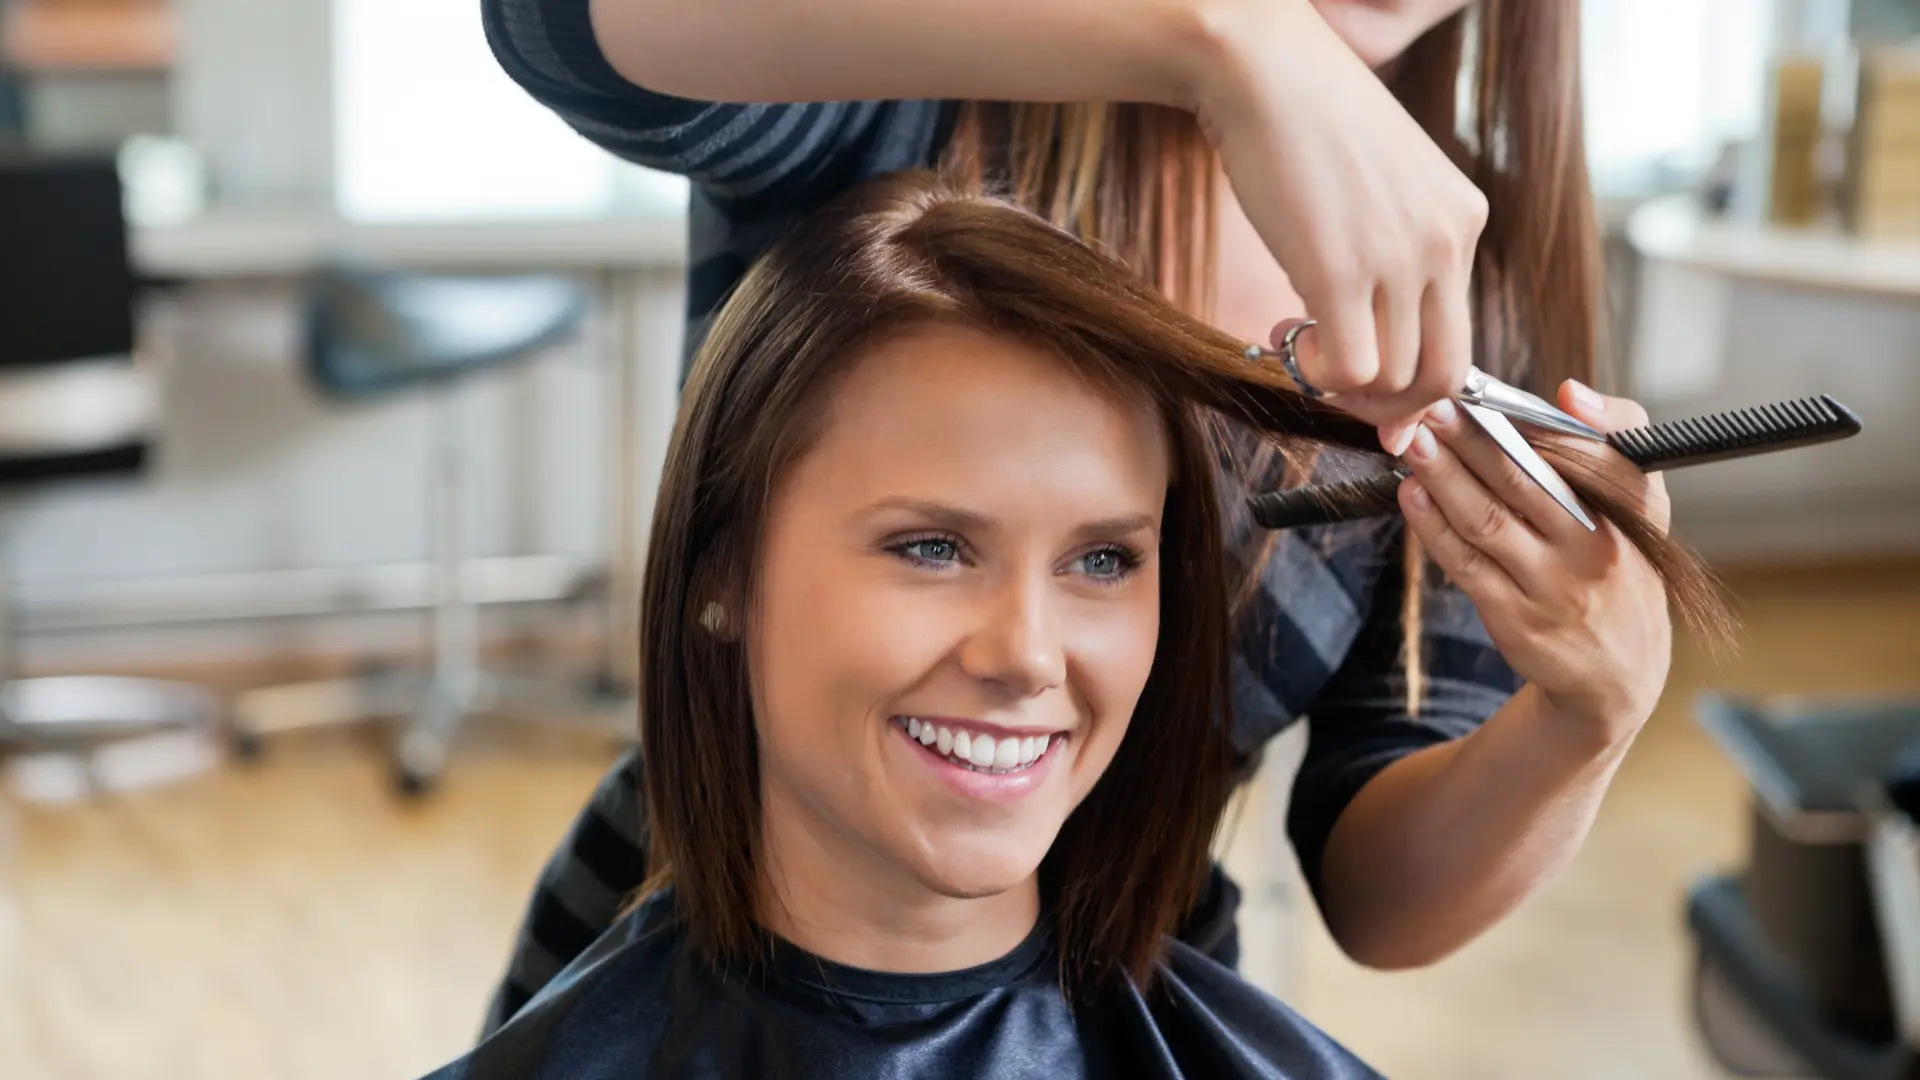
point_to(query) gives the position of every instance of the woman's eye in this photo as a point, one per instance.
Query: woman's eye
(1106, 563)
(933, 551)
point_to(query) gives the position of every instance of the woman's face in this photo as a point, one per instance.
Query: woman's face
(1380, 30)
(958, 607)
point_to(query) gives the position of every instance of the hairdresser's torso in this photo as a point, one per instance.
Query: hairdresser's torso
(641, 1002)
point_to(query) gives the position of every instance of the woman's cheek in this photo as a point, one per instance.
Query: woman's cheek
(1111, 654)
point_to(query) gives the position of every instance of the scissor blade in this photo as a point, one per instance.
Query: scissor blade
(1534, 410)
(1524, 455)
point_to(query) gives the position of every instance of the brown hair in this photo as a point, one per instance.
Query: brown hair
(907, 249)
(1139, 181)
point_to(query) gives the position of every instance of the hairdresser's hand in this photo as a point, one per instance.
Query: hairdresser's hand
(1373, 224)
(1580, 615)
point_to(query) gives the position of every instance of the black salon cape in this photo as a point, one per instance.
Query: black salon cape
(640, 1003)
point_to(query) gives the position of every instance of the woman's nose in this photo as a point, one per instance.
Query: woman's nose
(1017, 643)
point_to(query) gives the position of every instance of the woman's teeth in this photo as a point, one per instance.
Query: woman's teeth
(975, 750)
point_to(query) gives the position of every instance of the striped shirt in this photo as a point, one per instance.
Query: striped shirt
(1321, 639)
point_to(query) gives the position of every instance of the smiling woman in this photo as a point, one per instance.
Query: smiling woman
(936, 683)
(956, 612)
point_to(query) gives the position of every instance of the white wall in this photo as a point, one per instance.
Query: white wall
(66, 110)
(253, 89)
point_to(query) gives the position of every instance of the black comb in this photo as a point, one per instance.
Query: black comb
(1761, 429)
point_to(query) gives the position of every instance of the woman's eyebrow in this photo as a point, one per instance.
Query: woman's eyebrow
(941, 514)
(963, 520)
(1118, 526)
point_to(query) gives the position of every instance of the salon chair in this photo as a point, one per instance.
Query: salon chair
(375, 335)
(78, 405)
(1808, 957)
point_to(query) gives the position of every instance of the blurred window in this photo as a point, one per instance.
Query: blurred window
(428, 125)
(1667, 84)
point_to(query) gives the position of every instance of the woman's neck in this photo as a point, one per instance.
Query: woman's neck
(832, 896)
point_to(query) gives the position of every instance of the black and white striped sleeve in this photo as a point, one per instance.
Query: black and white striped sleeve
(734, 150)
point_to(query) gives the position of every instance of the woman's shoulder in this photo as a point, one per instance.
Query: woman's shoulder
(603, 1011)
(1213, 1022)
(642, 1002)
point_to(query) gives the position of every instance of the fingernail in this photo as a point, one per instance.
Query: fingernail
(1443, 412)
(1417, 495)
(1586, 398)
(1422, 447)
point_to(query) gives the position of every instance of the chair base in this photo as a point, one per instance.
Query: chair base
(434, 707)
(1758, 1016)
(77, 713)
(78, 724)
(1739, 1039)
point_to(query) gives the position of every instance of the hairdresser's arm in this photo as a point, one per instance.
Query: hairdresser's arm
(1375, 227)
(1447, 841)
(1153, 51)
(1441, 842)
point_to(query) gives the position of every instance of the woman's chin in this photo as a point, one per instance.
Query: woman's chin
(981, 869)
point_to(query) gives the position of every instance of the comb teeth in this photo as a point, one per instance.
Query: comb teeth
(1728, 434)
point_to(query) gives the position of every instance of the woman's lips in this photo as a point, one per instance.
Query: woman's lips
(976, 746)
(978, 763)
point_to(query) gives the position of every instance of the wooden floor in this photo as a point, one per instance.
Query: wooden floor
(293, 920)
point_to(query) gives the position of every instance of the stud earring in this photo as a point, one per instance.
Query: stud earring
(714, 617)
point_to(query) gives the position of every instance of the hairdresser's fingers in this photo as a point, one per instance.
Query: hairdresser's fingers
(1507, 481)
(1478, 516)
(1446, 345)
(1324, 373)
(1385, 402)
(1607, 413)
(1441, 350)
(1340, 354)
(1478, 574)
(1396, 320)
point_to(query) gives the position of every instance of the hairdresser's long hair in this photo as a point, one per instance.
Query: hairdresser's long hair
(1135, 179)
(909, 249)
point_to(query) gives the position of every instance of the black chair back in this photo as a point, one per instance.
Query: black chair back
(66, 279)
(72, 401)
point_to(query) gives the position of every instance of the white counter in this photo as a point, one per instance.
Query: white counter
(1674, 229)
(278, 240)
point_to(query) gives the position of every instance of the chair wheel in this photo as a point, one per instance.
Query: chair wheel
(604, 684)
(421, 760)
(413, 784)
(248, 745)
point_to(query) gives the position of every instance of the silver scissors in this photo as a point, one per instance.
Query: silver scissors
(1490, 402)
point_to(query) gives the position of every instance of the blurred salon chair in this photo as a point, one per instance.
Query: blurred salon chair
(78, 404)
(1808, 956)
(373, 335)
